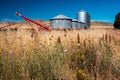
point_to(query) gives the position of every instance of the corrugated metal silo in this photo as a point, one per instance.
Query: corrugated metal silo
(60, 22)
(79, 24)
(84, 17)
(83, 25)
(74, 23)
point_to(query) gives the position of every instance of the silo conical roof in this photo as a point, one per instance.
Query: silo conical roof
(60, 16)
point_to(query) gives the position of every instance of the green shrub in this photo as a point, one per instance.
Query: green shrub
(117, 21)
(105, 60)
(81, 62)
(115, 70)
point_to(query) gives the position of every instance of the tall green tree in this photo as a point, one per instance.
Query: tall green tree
(117, 21)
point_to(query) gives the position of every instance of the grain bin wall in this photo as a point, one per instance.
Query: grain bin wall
(60, 22)
(83, 25)
(84, 17)
(79, 24)
(74, 23)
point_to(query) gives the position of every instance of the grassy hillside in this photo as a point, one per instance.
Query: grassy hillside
(59, 54)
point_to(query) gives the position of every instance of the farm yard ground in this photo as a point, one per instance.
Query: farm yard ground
(60, 54)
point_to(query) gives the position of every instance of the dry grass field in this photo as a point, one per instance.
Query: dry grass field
(59, 54)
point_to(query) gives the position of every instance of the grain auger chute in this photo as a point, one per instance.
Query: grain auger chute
(39, 24)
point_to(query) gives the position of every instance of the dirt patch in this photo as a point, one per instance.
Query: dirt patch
(115, 33)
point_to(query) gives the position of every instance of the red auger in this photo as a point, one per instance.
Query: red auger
(27, 19)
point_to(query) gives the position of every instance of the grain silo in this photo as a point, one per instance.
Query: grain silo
(79, 24)
(83, 25)
(84, 17)
(74, 23)
(61, 22)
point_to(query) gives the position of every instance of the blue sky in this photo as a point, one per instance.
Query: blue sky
(103, 10)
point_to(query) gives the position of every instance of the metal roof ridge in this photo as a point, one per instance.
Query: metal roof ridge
(60, 16)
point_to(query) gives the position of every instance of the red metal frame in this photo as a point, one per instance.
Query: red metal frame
(27, 19)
